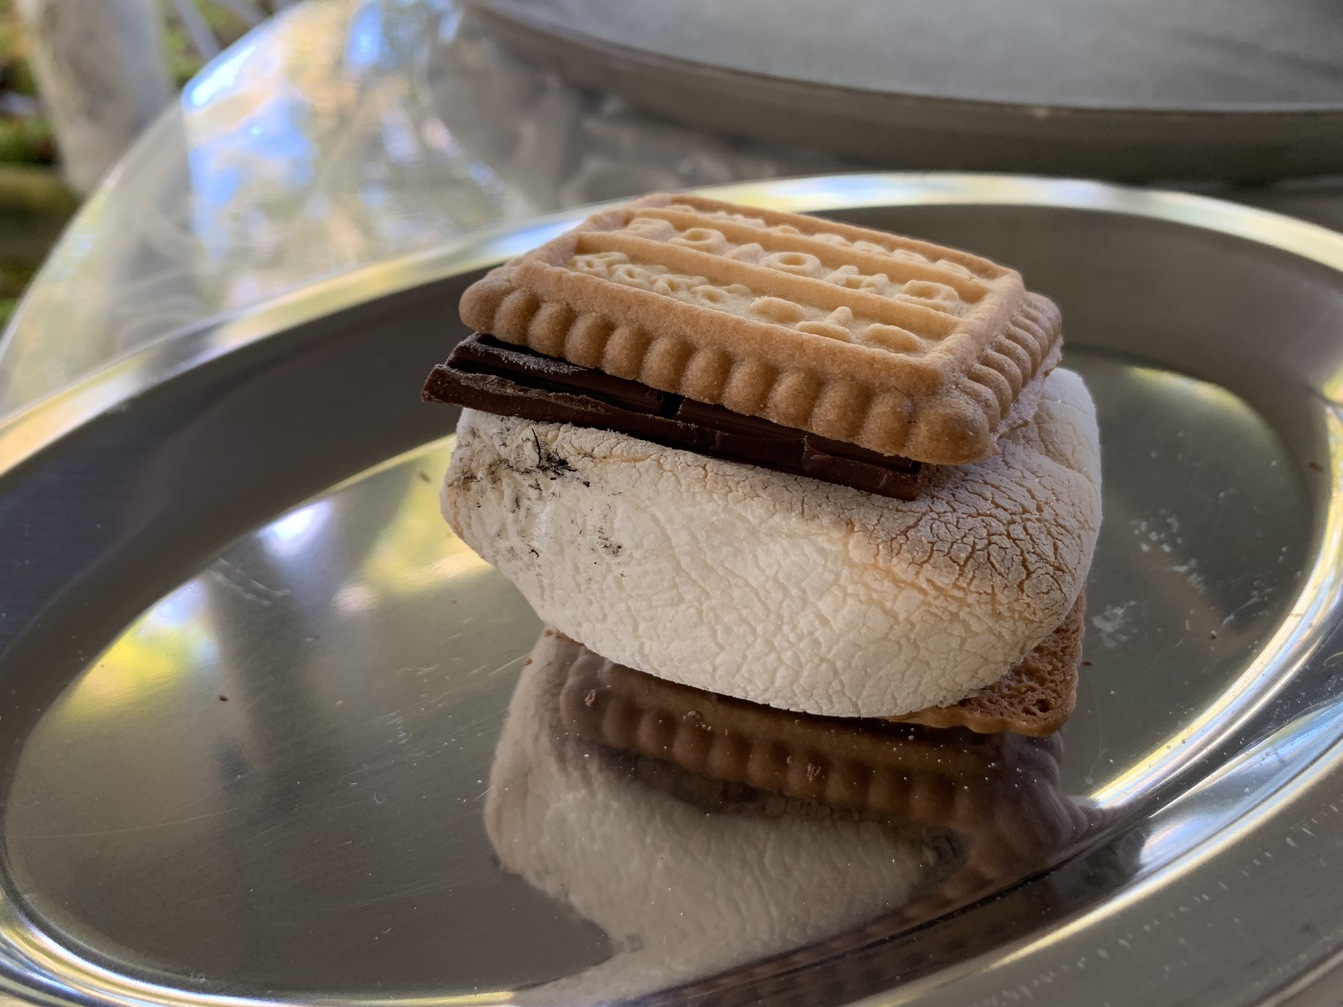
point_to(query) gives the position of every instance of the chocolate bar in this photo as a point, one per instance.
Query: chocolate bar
(484, 373)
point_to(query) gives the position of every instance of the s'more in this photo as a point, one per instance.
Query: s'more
(801, 463)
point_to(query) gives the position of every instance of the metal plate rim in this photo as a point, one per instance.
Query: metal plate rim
(619, 50)
(1260, 142)
(43, 424)
(37, 425)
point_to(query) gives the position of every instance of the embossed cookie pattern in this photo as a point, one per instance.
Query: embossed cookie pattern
(891, 343)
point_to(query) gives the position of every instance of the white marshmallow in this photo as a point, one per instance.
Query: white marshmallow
(781, 589)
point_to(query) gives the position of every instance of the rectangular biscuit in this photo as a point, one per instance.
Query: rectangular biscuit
(1035, 697)
(893, 344)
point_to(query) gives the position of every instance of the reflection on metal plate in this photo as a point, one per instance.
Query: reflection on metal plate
(270, 731)
(286, 759)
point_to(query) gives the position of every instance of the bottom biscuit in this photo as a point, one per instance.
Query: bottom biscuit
(1034, 697)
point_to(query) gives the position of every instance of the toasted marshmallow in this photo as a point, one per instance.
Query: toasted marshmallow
(780, 589)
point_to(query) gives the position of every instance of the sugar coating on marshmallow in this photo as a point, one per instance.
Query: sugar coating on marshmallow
(781, 589)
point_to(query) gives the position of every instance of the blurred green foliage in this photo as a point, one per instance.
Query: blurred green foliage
(34, 203)
(13, 52)
(27, 139)
(34, 207)
(183, 61)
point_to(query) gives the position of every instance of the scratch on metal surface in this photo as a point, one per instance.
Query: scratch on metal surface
(127, 829)
(222, 578)
(1090, 777)
(1258, 596)
(231, 573)
(1159, 927)
(419, 888)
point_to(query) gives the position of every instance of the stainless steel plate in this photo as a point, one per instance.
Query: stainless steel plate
(1121, 89)
(252, 689)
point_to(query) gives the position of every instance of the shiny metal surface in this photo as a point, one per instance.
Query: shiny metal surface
(1118, 89)
(252, 690)
(1124, 54)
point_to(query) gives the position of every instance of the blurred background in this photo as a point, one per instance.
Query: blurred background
(36, 197)
(163, 162)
